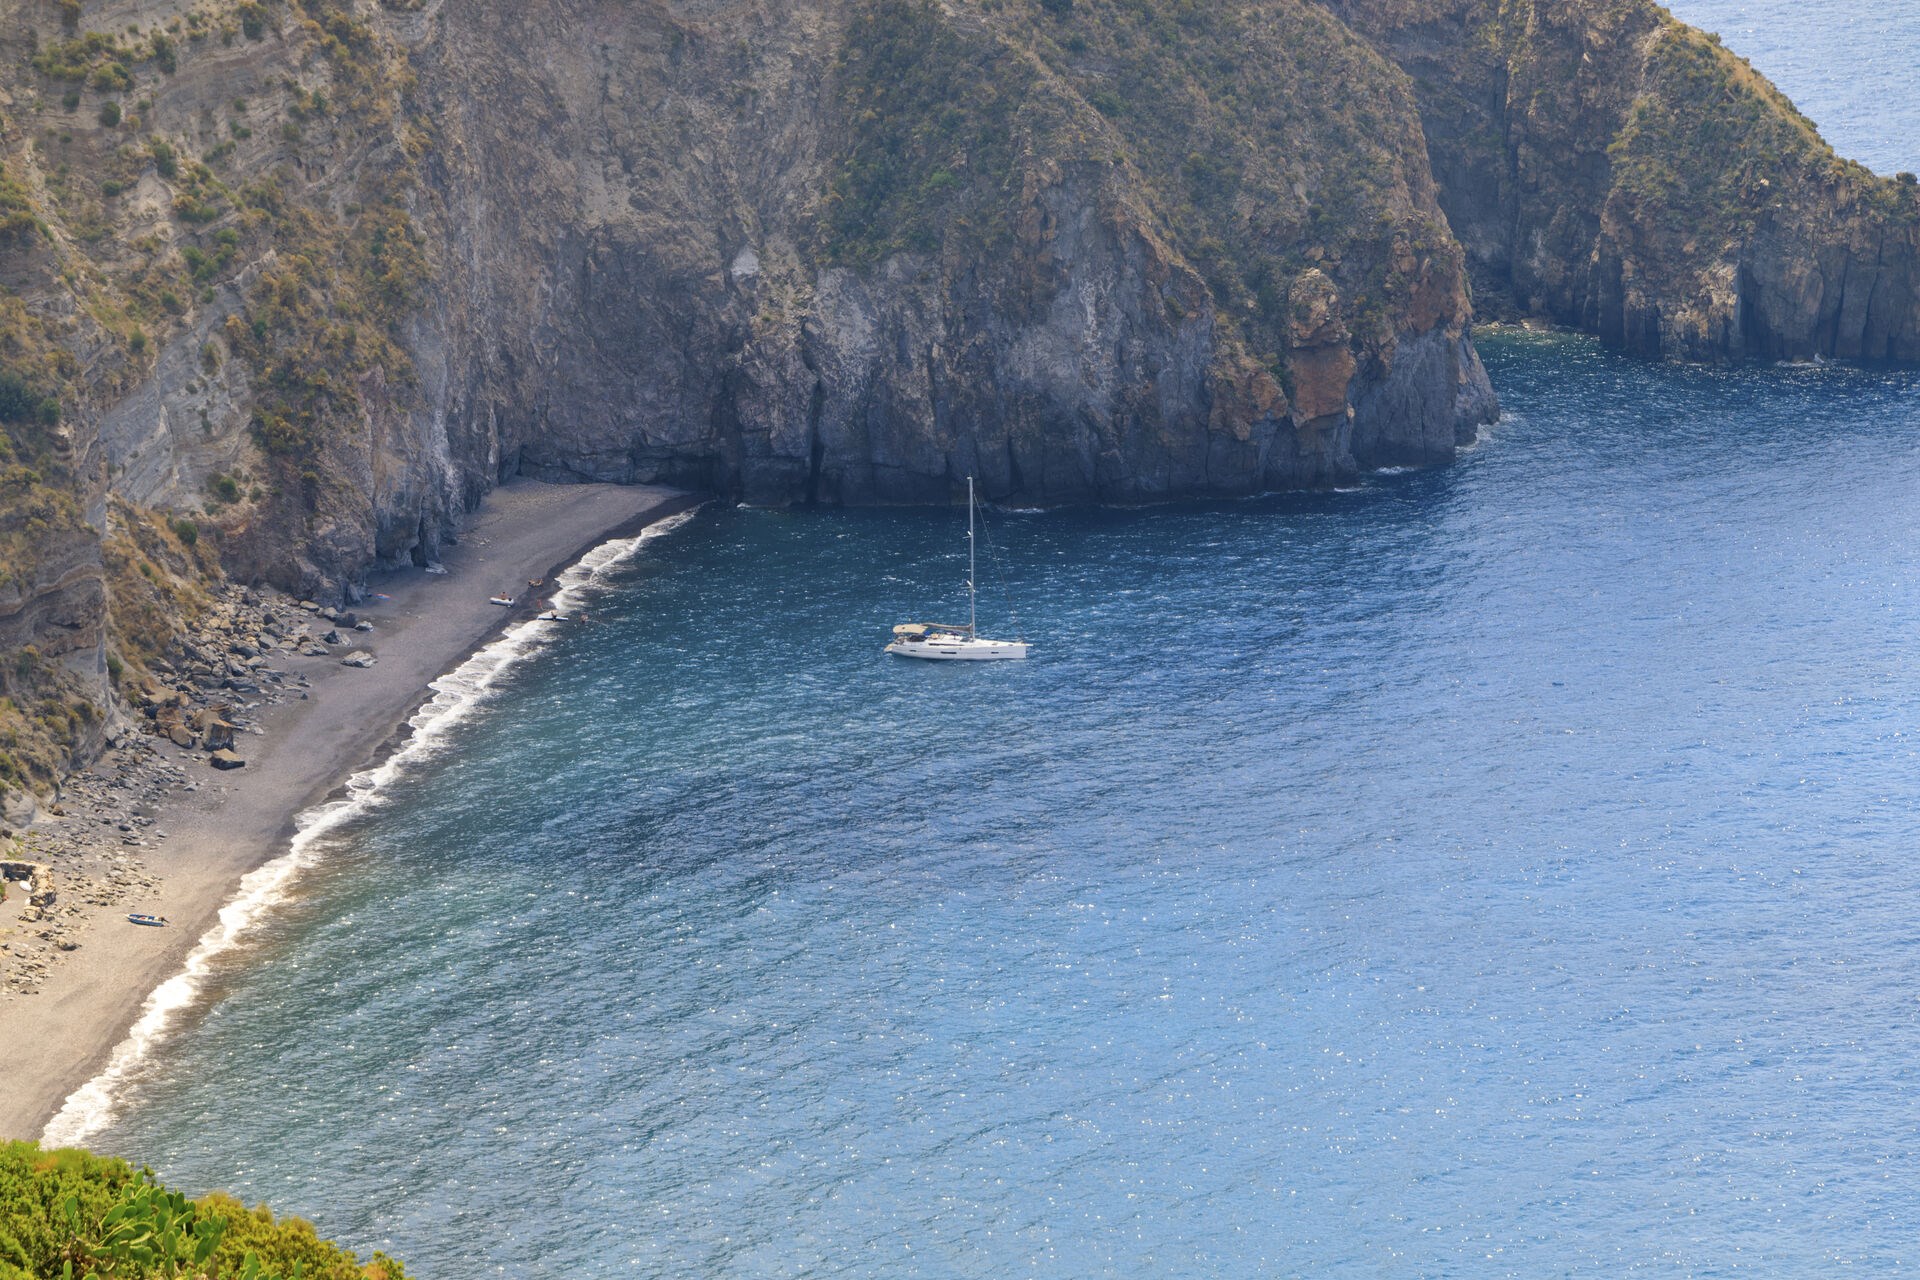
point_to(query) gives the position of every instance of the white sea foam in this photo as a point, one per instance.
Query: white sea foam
(456, 696)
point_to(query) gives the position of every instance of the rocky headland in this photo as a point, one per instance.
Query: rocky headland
(1610, 169)
(288, 286)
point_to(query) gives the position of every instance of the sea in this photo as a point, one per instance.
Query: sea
(1504, 870)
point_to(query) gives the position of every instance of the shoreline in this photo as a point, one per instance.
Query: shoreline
(301, 754)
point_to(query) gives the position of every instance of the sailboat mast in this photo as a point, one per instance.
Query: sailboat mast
(971, 591)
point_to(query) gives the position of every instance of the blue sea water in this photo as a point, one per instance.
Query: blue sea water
(1505, 870)
(1847, 64)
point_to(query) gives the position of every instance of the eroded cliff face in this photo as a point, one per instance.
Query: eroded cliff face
(1614, 170)
(854, 251)
(290, 284)
(296, 282)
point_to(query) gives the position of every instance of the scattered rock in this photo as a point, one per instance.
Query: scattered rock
(98, 848)
(358, 658)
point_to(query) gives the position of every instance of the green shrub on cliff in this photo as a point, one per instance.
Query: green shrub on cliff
(20, 402)
(105, 60)
(17, 218)
(1267, 140)
(924, 104)
(1704, 141)
(328, 317)
(68, 1213)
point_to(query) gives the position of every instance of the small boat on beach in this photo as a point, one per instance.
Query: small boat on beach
(952, 642)
(152, 922)
(505, 602)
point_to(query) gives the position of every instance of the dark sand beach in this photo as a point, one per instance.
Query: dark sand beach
(425, 624)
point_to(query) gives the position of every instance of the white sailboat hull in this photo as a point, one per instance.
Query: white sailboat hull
(951, 642)
(949, 648)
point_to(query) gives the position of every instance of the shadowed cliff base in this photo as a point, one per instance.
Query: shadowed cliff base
(290, 286)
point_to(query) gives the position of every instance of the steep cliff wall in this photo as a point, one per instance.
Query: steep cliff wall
(1612, 169)
(290, 284)
(307, 277)
(853, 251)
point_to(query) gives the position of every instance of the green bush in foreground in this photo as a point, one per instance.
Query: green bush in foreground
(69, 1215)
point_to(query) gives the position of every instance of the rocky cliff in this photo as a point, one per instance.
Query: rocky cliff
(307, 277)
(290, 284)
(1611, 169)
(854, 250)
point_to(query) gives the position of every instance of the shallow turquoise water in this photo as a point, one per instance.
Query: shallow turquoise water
(1499, 871)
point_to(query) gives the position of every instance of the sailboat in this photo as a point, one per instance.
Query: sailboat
(948, 642)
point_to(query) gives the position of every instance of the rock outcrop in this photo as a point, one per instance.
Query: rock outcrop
(1611, 169)
(851, 251)
(289, 285)
(359, 262)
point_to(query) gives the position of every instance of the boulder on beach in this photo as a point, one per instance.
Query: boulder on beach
(359, 658)
(226, 760)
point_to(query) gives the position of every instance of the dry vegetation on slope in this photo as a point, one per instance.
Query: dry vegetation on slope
(1612, 169)
(287, 285)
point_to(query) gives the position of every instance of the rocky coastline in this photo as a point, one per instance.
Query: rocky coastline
(287, 290)
(264, 709)
(91, 840)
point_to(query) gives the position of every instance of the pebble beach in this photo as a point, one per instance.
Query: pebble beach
(267, 706)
